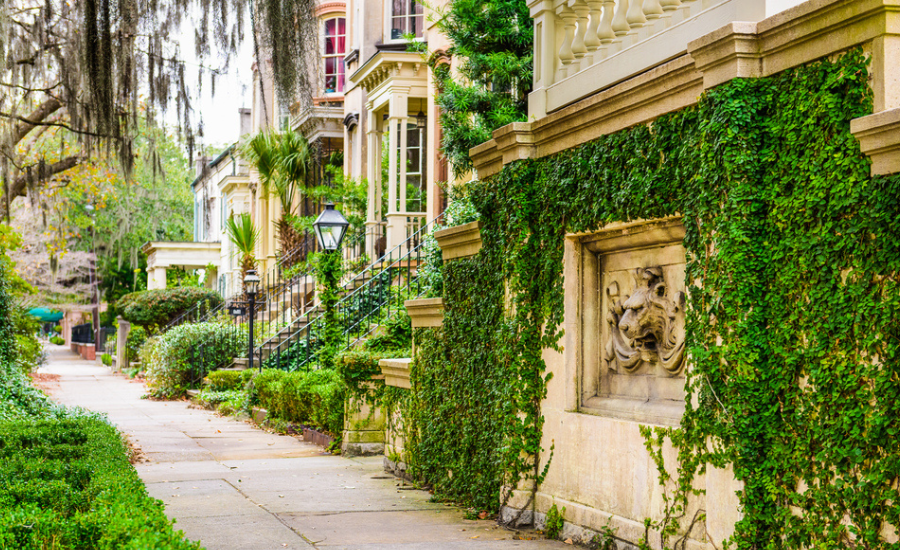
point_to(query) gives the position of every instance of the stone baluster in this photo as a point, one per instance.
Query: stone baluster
(579, 48)
(620, 22)
(670, 5)
(592, 38)
(652, 9)
(635, 16)
(605, 32)
(566, 55)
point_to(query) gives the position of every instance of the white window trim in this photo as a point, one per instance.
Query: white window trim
(325, 18)
(389, 19)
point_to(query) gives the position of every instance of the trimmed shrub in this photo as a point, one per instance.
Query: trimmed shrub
(57, 329)
(228, 380)
(314, 398)
(155, 308)
(168, 359)
(106, 359)
(67, 484)
(59, 341)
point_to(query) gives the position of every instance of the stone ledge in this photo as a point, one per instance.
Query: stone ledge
(396, 372)
(879, 138)
(425, 312)
(799, 35)
(461, 241)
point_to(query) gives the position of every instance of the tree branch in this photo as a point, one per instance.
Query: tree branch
(34, 123)
(18, 187)
(26, 125)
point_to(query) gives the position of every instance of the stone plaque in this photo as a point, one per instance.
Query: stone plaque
(632, 328)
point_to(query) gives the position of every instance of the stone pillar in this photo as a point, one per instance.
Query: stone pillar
(122, 344)
(373, 176)
(396, 229)
(156, 279)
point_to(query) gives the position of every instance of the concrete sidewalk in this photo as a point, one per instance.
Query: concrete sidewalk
(233, 486)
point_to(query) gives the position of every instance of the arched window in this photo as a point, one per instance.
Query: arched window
(406, 18)
(335, 49)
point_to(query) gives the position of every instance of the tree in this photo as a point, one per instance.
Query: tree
(493, 40)
(284, 162)
(92, 210)
(244, 236)
(80, 66)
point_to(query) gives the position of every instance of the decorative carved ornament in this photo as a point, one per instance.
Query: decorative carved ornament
(647, 326)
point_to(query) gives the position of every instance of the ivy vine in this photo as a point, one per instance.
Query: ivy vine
(793, 315)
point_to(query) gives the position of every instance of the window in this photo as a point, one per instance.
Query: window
(406, 18)
(335, 49)
(415, 168)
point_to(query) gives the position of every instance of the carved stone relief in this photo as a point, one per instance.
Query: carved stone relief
(645, 327)
(632, 298)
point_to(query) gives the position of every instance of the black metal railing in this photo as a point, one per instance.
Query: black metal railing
(83, 334)
(104, 338)
(376, 292)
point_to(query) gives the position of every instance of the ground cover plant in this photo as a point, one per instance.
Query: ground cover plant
(780, 211)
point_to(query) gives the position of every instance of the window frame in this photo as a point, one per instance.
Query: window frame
(338, 56)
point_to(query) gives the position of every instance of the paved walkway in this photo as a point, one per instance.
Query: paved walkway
(233, 486)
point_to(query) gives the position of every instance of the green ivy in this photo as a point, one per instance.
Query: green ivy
(793, 316)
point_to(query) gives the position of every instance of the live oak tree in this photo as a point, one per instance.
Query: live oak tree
(88, 66)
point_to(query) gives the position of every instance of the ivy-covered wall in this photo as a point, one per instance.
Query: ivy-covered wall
(793, 314)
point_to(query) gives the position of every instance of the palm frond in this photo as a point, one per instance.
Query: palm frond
(243, 234)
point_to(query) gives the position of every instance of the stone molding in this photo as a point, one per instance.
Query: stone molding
(396, 372)
(425, 312)
(461, 241)
(879, 138)
(799, 35)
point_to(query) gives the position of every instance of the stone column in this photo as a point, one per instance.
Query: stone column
(157, 279)
(373, 176)
(396, 219)
(122, 344)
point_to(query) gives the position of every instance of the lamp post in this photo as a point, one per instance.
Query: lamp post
(330, 228)
(251, 284)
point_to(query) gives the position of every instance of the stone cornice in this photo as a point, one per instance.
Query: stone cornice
(797, 36)
(879, 138)
(383, 65)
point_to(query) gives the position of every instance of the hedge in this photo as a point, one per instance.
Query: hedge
(68, 484)
(156, 308)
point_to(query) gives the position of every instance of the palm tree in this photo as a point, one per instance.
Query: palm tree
(283, 161)
(244, 236)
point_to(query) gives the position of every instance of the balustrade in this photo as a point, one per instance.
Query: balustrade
(582, 36)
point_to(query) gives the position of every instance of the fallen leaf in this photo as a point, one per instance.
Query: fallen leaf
(568, 541)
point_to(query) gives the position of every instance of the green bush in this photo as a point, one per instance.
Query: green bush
(153, 309)
(29, 353)
(106, 359)
(57, 340)
(136, 338)
(67, 484)
(168, 359)
(57, 329)
(228, 380)
(314, 398)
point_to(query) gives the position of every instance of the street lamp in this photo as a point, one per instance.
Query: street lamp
(251, 286)
(330, 228)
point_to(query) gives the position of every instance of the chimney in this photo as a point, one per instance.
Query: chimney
(200, 164)
(246, 121)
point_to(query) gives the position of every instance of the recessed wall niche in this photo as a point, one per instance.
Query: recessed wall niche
(632, 322)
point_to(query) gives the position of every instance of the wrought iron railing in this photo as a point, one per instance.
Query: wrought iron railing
(377, 291)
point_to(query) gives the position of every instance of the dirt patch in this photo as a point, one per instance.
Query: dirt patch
(135, 453)
(44, 381)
